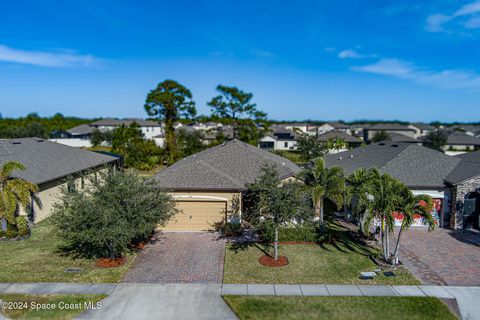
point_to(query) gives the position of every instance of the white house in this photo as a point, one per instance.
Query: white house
(330, 126)
(279, 138)
(307, 128)
(149, 128)
(78, 136)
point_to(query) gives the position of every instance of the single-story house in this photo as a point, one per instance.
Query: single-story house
(398, 137)
(331, 126)
(372, 130)
(450, 181)
(421, 129)
(279, 138)
(51, 165)
(149, 128)
(461, 142)
(350, 141)
(307, 128)
(79, 136)
(208, 184)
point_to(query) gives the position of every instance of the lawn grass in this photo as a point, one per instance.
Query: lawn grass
(37, 260)
(338, 263)
(355, 308)
(32, 306)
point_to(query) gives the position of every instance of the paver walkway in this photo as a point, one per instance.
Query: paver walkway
(180, 257)
(442, 257)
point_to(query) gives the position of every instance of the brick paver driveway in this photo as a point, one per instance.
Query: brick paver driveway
(442, 257)
(180, 257)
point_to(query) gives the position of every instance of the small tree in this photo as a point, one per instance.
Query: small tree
(278, 202)
(324, 183)
(169, 102)
(381, 136)
(189, 143)
(116, 209)
(15, 193)
(310, 147)
(435, 140)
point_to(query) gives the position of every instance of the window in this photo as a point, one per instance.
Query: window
(286, 144)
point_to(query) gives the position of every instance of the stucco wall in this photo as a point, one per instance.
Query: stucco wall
(458, 195)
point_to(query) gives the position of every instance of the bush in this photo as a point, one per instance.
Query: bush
(11, 231)
(103, 220)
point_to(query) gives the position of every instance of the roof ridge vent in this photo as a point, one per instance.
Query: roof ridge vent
(16, 142)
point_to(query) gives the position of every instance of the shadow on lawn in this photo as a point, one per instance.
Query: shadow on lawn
(335, 237)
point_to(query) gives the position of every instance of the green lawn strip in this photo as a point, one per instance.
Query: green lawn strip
(338, 263)
(37, 260)
(355, 308)
(40, 306)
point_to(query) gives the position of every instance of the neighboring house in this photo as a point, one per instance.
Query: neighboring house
(421, 129)
(279, 138)
(149, 128)
(331, 126)
(370, 131)
(448, 180)
(51, 165)
(461, 142)
(470, 156)
(210, 125)
(350, 141)
(307, 128)
(397, 137)
(79, 136)
(207, 184)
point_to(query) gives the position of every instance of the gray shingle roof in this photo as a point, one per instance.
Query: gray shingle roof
(339, 134)
(398, 137)
(81, 129)
(470, 156)
(463, 171)
(389, 126)
(414, 165)
(230, 166)
(338, 125)
(46, 161)
(460, 138)
(126, 122)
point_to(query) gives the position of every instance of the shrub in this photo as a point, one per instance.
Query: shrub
(307, 232)
(104, 219)
(11, 231)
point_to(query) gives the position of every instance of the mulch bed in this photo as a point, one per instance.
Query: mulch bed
(110, 263)
(268, 261)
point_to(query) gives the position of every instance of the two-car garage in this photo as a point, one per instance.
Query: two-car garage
(197, 215)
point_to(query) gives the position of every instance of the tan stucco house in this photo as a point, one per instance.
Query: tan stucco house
(50, 165)
(205, 184)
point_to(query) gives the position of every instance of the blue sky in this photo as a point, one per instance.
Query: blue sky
(325, 60)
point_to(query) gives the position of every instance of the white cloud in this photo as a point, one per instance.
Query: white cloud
(46, 58)
(471, 11)
(448, 79)
(353, 54)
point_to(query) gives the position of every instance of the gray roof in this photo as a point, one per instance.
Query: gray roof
(46, 161)
(339, 134)
(81, 129)
(338, 125)
(416, 166)
(398, 137)
(389, 126)
(460, 138)
(470, 156)
(118, 122)
(463, 171)
(423, 126)
(229, 166)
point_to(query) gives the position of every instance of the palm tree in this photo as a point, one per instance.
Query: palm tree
(410, 206)
(378, 197)
(324, 184)
(14, 192)
(354, 183)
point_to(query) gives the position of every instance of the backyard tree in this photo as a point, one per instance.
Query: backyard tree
(324, 183)
(435, 140)
(278, 202)
(235, 106)
(15, 193)
(381, 136)
(137, 152)
(310, 147)
(189, 143)
(116, 210)
(169, 102)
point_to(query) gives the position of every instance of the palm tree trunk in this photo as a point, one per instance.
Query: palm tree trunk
(387, 242)
(382, 231)
(397, 245)
(321, 210)
(275, 244)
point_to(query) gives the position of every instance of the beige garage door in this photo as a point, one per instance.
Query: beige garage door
(197, 215)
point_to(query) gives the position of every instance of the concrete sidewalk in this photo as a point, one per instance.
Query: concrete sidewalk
(198, 301)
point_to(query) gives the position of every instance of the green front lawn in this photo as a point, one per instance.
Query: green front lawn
(46, 306)
(355, 308)
(339, 263)
(37, 260)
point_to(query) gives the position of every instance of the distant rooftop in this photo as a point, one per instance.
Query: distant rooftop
(118, 122)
